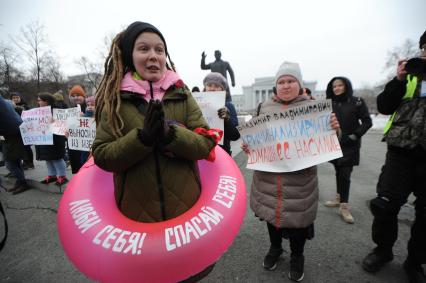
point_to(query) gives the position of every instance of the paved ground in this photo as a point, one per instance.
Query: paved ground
(33, 252)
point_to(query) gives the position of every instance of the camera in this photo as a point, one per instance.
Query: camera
(416, 66)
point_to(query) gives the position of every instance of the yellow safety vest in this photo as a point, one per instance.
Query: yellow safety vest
(409, 93)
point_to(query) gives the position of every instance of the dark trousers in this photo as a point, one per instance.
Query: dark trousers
(75, 160)
(28, 156)
(343, 181)
(297, 242)
(403, 173)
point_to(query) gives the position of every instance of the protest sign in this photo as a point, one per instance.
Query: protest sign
(63, 118)
(82, 134)
(291, 139)
(35, 128)
(209, 102)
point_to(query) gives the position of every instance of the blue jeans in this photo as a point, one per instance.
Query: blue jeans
(15, 168)
(56, 167)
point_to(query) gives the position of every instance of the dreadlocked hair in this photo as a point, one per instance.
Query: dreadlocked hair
(108, 93)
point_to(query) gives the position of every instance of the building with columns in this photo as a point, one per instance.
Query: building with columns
(260, 91)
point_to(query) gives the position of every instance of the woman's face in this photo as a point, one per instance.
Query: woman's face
(41, 103)
(288, 88)
(16, 99)
(213, 87)
(76, 99)
(338, 87)
(149, 56)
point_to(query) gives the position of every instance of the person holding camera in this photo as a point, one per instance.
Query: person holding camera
(404, 98)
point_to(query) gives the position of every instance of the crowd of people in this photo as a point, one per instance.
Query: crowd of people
(19, 157)
(151, 130)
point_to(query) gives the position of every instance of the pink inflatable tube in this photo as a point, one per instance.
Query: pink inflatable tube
(108, 247)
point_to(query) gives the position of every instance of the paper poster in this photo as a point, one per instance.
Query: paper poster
(35, 128)
(63, 118)
(82, 134)
(209, 102)
(291, 139)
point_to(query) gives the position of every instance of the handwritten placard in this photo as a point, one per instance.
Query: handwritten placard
(82, 134)
(63, 118)
(35, 128)
(291, 139)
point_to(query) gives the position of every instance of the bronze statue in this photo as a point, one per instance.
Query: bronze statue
(218, 66)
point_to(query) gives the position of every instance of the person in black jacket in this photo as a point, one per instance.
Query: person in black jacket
(217, 82)
(354, 118)
(52, 154)
(13, 147)
(405, 166)
(20, 105)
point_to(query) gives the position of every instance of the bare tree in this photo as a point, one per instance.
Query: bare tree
(407, 50)
(8, 71)
(51, 70)
(91, 70)
(32, 41)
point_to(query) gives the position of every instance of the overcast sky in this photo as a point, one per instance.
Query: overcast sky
(327, 38)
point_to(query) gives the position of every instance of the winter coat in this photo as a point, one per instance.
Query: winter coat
(408, 129)
(51, 152)
(354, 118)
(61, 105)
(137, 175)
(285, 200)
(13, 147)
(230, 128)
(21, 106)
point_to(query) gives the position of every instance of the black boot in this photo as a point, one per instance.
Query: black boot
(271, 258)
(415, 272)
(375, 260)
(297, 263)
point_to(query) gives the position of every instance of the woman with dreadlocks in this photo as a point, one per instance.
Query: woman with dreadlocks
(150, 129)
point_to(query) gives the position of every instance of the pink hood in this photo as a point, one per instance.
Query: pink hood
(133, 84)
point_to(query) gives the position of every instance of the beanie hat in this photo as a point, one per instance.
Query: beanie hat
(58, 96)
(12, 94)
(90, 99)
(422, 39)
(129, 37)
(216, 78)
(289, 69)
(77, 90)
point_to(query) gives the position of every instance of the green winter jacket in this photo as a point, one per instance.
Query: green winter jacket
(136, 175)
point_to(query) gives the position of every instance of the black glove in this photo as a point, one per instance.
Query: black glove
(348, 139)
(224, 113)
(153, 126)
(353, 137)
